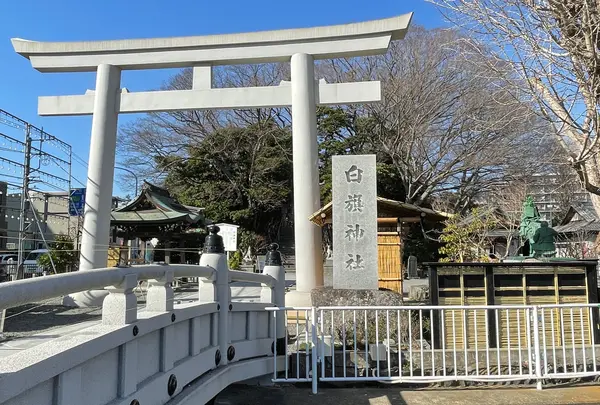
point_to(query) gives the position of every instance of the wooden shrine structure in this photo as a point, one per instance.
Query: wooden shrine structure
(510, 283)
(392, 218)
(154, 213)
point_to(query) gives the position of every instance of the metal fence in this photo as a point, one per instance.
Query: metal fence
(9, 271)
(427, 344)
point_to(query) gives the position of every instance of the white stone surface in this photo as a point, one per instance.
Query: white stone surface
(206, 99)
(98, 199)
(307, 235)
(160, 294)
(120, 306)
(202, 77)
(298, 299)
(347, 40)
(276, 295)
(223, 297)
(116, 363)
(355, 257)
(41, 288)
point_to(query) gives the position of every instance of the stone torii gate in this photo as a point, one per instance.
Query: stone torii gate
(299, 46)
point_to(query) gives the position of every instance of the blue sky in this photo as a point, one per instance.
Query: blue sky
(77, 20)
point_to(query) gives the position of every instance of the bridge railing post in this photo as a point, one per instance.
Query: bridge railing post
(207, 288)
(160, 293)
(214, 257)
(275, 294)
(120, 305)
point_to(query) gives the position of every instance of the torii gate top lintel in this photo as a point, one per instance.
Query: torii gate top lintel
(346, 40)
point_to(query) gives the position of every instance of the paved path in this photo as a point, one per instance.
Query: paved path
(247, 395)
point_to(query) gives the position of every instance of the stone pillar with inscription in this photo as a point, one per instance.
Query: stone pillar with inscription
(355, 261)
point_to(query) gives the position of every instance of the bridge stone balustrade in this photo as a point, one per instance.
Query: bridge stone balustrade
(149, 356)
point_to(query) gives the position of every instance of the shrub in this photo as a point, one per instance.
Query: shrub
(235, 261)
(63, 255)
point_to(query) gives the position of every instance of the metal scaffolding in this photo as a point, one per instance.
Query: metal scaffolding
(36, 167)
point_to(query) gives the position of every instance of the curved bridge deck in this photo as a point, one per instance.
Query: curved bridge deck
(145, 355)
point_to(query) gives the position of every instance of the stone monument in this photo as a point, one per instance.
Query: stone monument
(412, 267)
(355, 261)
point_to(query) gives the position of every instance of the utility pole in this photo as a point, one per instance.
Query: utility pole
(32, 174)
(25, 203)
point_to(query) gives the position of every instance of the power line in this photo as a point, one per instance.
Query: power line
(35, 157)
(79, 160)
(11, 120)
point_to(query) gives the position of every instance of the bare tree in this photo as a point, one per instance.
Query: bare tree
(581, 244)
(552, 47)
(446, 124)
(143, 142)
(507, 201)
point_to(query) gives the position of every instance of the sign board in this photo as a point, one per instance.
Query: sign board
(355, 258)
(229, 234)
(11, 246)
(77, 202)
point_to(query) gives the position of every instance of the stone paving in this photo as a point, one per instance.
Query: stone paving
(248, 395)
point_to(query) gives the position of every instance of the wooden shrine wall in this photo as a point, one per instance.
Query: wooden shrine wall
(469, 284)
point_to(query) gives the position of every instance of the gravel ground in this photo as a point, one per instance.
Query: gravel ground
(37, 317)
(390, 395)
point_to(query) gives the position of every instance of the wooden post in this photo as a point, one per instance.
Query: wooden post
(489, 295)
(592, 284)
(434, 297)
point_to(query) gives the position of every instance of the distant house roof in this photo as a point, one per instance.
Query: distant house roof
(581, 217)
(386, 208)
(154, 206)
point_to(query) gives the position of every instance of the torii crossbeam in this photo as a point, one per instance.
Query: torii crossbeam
(299, 46)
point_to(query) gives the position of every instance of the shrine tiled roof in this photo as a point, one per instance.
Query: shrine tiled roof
(579, 226)
(386, 208)
(154, 205)
(581, 217)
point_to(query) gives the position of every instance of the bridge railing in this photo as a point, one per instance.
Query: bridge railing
(147, 355)
(37, 289)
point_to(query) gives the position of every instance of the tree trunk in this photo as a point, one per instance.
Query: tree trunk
(596, 203)
(590, 176)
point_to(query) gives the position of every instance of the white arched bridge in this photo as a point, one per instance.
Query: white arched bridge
(166, 353)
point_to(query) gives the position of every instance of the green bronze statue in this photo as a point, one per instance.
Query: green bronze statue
(541, 237)
(543, 241)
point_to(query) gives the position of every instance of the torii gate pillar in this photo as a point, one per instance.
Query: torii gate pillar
(307, 198)
(103, 143)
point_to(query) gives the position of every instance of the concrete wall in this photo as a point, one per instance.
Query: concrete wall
(55, 222)
(53, 216)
